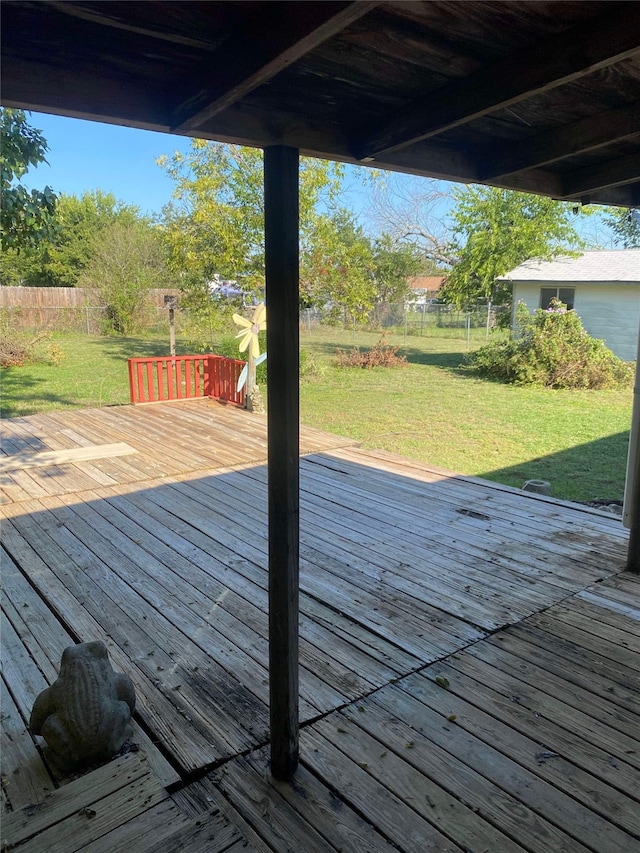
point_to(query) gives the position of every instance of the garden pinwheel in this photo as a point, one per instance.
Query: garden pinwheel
(250, 329)
(248, 335)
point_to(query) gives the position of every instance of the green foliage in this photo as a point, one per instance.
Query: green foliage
(20, 267)
(380, 355)
(203, 319)
(311, 366)
(126, 261)
(215, 226)
(216, 222)
(625, 224)
(26, 216)
(553, 350)
(19, 346)
(393, 264)
(337, 266)
(495, 230)
(61, 259)
(81, 220)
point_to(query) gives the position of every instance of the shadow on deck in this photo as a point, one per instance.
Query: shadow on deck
(470, 654)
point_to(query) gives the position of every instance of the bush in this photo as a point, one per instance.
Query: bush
(310, 366)
(18, 348)
(381, 355)
(552, 349)
(228, 347)
(126, 262)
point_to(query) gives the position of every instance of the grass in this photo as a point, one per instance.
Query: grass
(93, 373)
(436, 412)
(431, 410)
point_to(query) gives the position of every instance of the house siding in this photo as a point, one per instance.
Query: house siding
(608, 311)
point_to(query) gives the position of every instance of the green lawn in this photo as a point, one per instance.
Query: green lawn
(435, 412)
(93, 373)
(431, 410)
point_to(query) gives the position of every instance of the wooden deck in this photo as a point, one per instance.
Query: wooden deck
(470, 654)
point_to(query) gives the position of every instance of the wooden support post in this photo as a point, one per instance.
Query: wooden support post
(632, 486)
(172, 331)
(633, 556)
(282, 269)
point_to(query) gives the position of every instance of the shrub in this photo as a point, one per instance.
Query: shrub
(311, 367)
(381, 355)
(19, 347)
(126, 262)
(552, 349)
(228, 347)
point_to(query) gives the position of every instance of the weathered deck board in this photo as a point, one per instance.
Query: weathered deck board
(85, 810)
(169, 438)
(24, 777)
(407, 573)
(479, 760)
(45, 458)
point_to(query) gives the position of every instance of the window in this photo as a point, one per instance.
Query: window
(564, 294)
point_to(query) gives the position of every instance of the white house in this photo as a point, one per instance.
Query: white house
(603, 287)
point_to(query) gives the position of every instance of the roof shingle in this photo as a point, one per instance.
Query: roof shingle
(603, 265)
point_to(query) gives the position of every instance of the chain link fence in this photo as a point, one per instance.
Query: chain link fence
(81, 319)
(431, 320)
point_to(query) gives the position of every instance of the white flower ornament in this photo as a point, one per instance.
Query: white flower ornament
(249, 340)
(250, 329)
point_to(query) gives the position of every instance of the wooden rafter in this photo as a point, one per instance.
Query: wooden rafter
(613, 173)
(109, 17)
(561, 59)
(251, 60)
(578, 137)
(621, 196)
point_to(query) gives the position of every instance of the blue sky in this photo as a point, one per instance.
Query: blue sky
(86, 155)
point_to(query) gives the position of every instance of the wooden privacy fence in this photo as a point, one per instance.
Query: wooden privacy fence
(67, 297)
(185, 377)
(74, 309)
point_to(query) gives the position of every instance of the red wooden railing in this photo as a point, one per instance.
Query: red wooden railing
(185, 377)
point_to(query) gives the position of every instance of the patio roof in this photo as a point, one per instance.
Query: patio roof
(535, 96)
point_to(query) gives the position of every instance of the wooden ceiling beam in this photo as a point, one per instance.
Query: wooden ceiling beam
(563, 58)
(613, 173)
(109, 17)
(578, 137)
(626, 196)
(45, 87)
(269, 45)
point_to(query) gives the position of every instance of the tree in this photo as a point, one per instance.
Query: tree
(80, 220)
(125, 262)
(625, 225)
(215, 224)
(337, 266)
(494, 230)
(393, 265)
(413, 210)
(61, 258)
(26, 216)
